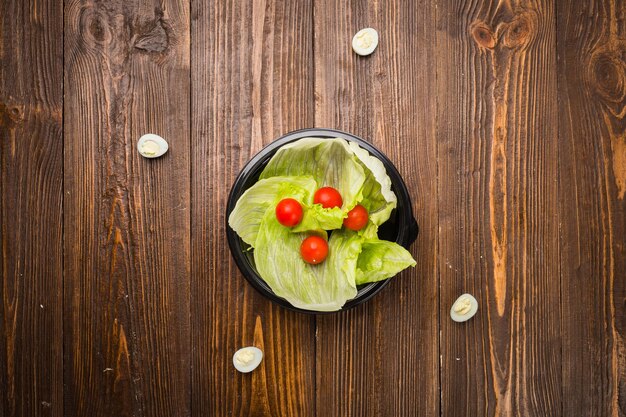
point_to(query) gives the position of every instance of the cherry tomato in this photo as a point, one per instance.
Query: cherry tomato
(357, 218)
(314, 249)
(328, 197)
(288, 212)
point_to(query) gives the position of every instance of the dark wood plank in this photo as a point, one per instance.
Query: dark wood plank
(498, 217)
(381, 358)
(592, 182)
(127, 221)
(31, 181)
(252, 81)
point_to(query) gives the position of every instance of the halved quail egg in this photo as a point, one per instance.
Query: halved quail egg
(152, 146)
(365, 41)
(464, 308)
(247, 359)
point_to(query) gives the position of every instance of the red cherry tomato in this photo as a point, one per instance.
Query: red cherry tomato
(328, 197)
(314, 249)
(288, 212)
(357, 218)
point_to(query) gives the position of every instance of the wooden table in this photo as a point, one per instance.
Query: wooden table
(119, 294)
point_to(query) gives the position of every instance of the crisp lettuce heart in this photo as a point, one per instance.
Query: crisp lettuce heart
(317, 217)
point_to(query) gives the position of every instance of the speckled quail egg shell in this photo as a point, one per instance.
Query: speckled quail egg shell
(258, 356)
(162, 144)
(464, 317)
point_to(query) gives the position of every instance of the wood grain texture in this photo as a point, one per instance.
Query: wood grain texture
(118, 293)
(592, 184)
(31, 181)
(252, 81)
(127, 221)
(498, 216)
(381, 358)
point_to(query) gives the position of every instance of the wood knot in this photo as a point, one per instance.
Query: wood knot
(97, 30)
(607, 75)
(153, 36)
(10, 116)
(94, 26)
(521, 30)
(483, 35)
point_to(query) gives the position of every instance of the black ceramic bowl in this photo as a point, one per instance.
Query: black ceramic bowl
(400, 228)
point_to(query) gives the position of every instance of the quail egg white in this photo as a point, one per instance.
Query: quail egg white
(464, 308)
(247, 359)
(365, 41)
(152, 146)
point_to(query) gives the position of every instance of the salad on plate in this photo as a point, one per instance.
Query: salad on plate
(312, 222)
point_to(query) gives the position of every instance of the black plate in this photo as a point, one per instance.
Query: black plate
(400, 228)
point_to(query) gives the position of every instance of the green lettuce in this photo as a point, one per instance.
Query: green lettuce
(380, 259)
(377, 196)
(316, 217)
(330, 162)
(323, 287)
(358, 176)
(249, 210)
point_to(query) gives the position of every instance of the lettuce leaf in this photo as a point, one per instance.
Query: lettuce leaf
(380, 259)
(358, 176)
(249, 210)
(377, 196)
(317, 217)
(330, 162)
(323, 287)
